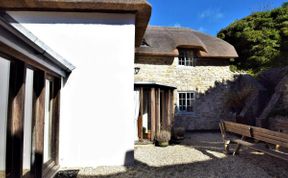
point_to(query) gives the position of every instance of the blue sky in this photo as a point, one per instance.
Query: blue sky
(208, 16)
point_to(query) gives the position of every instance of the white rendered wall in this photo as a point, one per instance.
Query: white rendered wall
(96, 125)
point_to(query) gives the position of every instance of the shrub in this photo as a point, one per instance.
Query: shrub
(163, 136)
(260, 40)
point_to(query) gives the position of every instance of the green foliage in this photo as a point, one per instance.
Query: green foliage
(260, 39)
(285, 4)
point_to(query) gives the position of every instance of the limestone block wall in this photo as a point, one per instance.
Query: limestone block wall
(209, 79)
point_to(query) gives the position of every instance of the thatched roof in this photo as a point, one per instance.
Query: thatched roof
(140, 7)
(164, 41)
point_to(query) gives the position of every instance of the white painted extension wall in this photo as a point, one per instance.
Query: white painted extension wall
(96, 125)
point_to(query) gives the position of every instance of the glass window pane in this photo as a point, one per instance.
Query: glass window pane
(184, 102)
(48, 123)
(4, 88)
(27, 147)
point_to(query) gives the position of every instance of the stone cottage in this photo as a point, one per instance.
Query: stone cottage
(54, 114)
(195, 65)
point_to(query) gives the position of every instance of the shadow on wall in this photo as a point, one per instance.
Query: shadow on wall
(209, 108)
(237, 100)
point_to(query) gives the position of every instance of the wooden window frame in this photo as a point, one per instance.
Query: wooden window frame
(186, 57)
(192, 101)
(15, 121)
(52, 164)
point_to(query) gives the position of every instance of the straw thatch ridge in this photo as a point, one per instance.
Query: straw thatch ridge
(164, 41)
(141, 8)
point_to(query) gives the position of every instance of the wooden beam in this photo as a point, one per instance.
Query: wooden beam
(14, 149)
(152, 110)
(23, 54)
(38, 119)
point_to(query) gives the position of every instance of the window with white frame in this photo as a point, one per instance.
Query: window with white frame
(186, 57)
(186, 101)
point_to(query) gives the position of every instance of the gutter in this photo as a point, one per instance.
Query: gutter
(31, 40)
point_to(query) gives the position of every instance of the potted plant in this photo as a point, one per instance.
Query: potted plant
(149, 135)
(178, 134)
(163, 138)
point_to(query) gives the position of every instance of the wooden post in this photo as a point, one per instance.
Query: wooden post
(56, 116)
(168, 110)
(164, 110)
(172, 106)
(152, 110)
(38, 119)
(140, 118)
(14, 149)
(158, 119)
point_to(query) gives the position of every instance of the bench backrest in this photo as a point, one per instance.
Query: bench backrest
(268, 136)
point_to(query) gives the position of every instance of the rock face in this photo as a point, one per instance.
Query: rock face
(244, 99)
(261, 101)
(278, 104)
(209, 79)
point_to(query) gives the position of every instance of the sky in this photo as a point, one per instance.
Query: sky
(208, 16)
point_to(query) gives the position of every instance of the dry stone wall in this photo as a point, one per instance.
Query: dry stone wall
(209, 79)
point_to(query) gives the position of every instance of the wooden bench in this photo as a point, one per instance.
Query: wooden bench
(278, 139)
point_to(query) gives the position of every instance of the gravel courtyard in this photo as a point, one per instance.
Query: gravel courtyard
(199, 155)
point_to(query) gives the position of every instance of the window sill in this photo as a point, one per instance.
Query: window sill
(185, 113)
(183, 66)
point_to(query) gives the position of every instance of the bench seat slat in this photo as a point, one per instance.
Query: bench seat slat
(265, 135)
(270, 138)
(245, 129)
(270, 132)
(261, 148)
(271, 141)
(238, 131)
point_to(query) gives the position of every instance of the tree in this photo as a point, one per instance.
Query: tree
(260, 39)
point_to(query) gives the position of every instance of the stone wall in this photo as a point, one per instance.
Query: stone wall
(209, 79)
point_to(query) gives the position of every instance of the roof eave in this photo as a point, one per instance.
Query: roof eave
(142, 9)
(218, 57)
(146, 54)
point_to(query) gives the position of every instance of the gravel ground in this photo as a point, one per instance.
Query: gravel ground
(199, 155)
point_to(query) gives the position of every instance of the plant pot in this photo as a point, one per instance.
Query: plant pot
(163, 144)
(149, 135)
